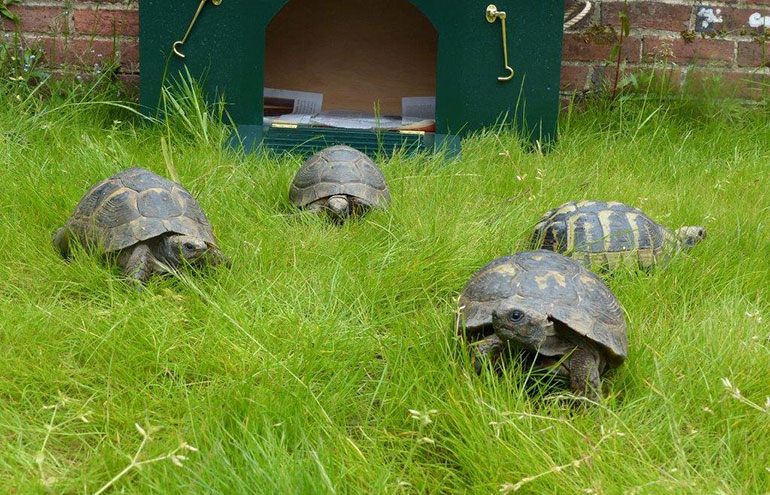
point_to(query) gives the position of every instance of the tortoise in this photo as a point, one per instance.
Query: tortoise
(147, 223)
(550, 309)
(340, 181)
(609, 234)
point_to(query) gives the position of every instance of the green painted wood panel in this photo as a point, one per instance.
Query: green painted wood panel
(226, 50)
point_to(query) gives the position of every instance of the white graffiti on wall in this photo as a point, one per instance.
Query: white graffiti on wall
(708, 16)
(757, 20)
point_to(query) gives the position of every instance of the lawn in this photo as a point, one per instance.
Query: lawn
(324, 360)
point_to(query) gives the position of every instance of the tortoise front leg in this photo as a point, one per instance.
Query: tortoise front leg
(138, 263)
(61, 241)
(486, 350)
(584, 373)
(317, 206)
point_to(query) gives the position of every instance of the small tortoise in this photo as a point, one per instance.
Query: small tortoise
(341, 181)
(147, 222)
(608, 234)
(550, 308)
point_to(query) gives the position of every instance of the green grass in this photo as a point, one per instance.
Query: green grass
(296, 370)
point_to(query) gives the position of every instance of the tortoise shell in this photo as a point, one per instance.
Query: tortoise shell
(549, 283)
(133, 206)
(604, 233)
(339, 170)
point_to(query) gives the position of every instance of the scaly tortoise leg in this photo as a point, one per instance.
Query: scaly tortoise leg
(584, 373)
(486, 350)
(138, 263)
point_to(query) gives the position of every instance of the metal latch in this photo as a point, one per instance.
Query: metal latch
(177, 44)
(492, 15)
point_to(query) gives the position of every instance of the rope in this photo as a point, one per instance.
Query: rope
(586, 9)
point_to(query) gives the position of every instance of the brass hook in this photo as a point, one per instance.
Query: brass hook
(177, 44)
(492, 15)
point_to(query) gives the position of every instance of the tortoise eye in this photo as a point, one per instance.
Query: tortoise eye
(516, 316)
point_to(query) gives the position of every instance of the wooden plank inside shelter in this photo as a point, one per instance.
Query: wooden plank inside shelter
(355, 53)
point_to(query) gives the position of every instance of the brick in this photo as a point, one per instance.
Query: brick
(130, 85)
(107, 22)
(87, 52)
(576, 48)
(38, 19)
(647, 78)
(574, 77)
(54, 48)
(670, 78)
(737, 19)
(604, 77)
(711, 50)
(753, 54)
(749, 85)
(649, 15)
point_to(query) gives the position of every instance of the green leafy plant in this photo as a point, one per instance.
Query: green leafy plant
(19, 63)
(186, 110)
(5, 11)
(616, 53)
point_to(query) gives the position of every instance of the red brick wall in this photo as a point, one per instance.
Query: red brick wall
(81, 36)
(729, 48)
(76, 33)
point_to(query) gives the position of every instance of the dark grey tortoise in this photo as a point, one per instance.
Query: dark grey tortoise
(610, 234)
(550, 308)
(340, 181)
(146, 222)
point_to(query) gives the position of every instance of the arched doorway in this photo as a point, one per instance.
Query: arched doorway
(363, 57)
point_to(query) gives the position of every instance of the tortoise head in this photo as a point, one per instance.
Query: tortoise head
(177, 247)
(521, 327)
(338, 207)
(688, 237)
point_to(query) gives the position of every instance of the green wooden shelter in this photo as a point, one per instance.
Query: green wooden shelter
(362, 55)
